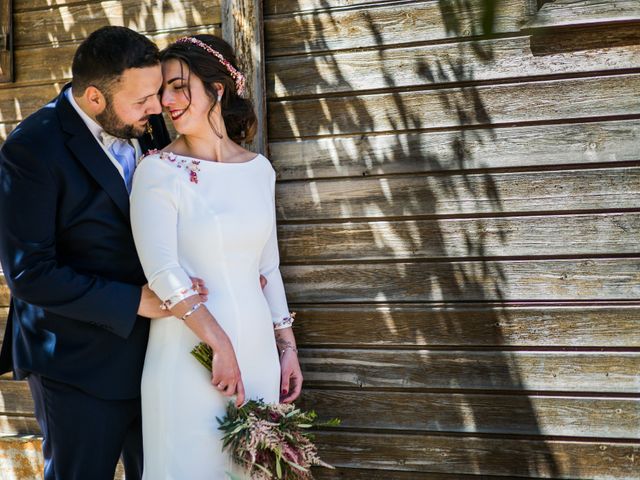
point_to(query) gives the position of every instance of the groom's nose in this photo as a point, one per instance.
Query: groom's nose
(154, 105)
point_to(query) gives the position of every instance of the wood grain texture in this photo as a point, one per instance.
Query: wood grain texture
(342, 473)
(472, 413)
(278, 7)
(243, 30)
(6, 40)
(571, 13)
(4, 294)
(48, 64)
(15, 398)
(456, 194)
(59, 24)
(386, 24)
(16, 407)
(559, 371)
(485, 237)
(540, 145)
(18, 425)
(542, 280)
(482, 456)
(453, 107)
(469, 325)
(440, 64)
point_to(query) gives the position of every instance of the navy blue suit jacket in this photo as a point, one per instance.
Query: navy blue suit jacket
(69, 258)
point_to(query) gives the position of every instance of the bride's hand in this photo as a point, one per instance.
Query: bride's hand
(225, 375)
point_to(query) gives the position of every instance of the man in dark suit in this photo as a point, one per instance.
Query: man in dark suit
(78, 322)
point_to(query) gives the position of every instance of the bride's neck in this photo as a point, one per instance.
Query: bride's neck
(209, 147)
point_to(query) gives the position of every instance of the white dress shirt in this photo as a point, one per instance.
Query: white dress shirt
(96, 130)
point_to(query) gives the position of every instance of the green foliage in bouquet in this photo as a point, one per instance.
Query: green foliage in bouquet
(271, 441)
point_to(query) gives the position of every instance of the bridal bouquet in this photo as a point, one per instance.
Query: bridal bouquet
(269, 440)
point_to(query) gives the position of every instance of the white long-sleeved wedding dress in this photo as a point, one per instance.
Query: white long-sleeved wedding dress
(215, 221)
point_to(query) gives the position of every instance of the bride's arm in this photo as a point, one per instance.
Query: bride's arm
(154, 221)
(290, 372)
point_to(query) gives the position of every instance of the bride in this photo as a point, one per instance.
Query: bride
(204, 207)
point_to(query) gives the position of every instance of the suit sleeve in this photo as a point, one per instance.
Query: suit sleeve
(28, 199)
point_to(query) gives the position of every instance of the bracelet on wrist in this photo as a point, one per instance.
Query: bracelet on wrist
(288, 347)
(191, 311)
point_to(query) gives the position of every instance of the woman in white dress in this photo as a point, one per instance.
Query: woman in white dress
(204, 207)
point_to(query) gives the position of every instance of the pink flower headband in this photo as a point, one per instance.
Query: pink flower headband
(237, 76)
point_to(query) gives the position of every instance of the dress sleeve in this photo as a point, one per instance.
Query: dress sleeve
(155, 198)
(270, 268)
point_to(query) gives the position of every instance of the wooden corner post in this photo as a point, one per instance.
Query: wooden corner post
(242, 28)
(6, 42)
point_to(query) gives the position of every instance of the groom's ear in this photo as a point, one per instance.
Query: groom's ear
(94, 100)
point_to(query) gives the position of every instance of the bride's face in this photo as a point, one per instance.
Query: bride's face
(184, 98)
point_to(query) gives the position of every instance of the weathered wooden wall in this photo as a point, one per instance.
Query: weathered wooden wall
(459, 228)
(46, 36)
(459, 225)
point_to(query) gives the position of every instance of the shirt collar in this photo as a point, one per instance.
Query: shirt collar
(93, 126)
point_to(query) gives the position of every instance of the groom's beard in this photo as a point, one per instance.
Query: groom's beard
(112, 124)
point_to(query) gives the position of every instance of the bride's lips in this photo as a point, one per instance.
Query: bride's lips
(175, 114)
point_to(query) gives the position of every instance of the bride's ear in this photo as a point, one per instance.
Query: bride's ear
(219, 88)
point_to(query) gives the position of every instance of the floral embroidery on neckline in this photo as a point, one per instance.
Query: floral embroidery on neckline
(191, 165)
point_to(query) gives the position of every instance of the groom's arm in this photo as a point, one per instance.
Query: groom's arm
(28, 199)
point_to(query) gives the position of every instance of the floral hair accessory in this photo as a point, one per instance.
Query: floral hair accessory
(237, 76)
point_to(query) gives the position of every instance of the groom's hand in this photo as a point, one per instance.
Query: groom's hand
(150, 304)
(201, 288)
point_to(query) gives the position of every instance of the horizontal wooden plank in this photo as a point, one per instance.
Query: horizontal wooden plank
(572, 13)
(544, 280)
(18, 425)
(5, 130)
(342, 473)
(16, 408)
(5, 295)
(386, 24)
(481, 325)
(473, 413)
(479, 105)
(561, 371)
(439, 64)
(275, 7)
(567, 144)
(482, 456)
(60, 24)
(483, 237)
(437, 195)
(516, 371)
(53, 63)
(15, 398)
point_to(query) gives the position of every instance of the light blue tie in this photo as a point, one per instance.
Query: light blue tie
(124, 153)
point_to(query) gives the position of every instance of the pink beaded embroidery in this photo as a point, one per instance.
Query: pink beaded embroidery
(191, 165)
(237, 76)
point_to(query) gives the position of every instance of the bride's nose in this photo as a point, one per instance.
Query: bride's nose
(167, 98)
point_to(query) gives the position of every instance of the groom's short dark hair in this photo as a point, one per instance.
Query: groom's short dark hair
(105, 54)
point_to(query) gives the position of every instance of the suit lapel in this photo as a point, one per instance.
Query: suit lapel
(87, 151)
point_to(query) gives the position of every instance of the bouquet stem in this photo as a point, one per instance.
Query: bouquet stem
(204, 354)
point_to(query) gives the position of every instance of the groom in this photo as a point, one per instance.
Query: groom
(78, 321)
